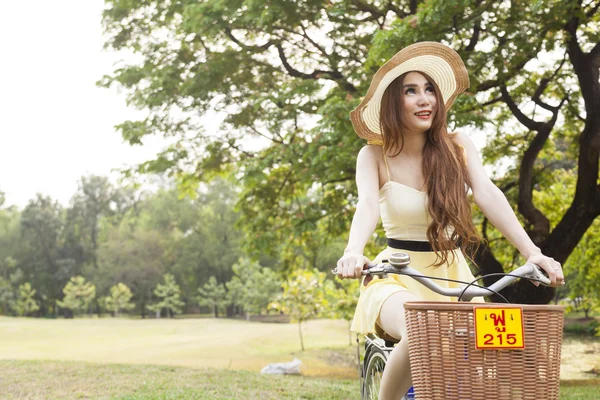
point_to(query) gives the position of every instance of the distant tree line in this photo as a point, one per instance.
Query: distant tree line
(116, 250)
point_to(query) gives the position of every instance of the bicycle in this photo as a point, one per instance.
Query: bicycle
(493, 351)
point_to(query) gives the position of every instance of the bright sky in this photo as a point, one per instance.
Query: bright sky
(55, 124)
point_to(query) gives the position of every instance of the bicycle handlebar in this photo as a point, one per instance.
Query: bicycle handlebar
(398, 264)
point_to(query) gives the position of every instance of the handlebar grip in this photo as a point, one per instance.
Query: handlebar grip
(365, 270)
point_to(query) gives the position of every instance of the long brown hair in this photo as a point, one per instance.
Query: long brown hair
(445, 171)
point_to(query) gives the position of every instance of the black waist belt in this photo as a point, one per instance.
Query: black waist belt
(410, 245)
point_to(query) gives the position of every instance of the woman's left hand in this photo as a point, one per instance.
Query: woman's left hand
(552, 268)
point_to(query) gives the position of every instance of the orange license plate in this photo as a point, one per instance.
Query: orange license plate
(499, 328)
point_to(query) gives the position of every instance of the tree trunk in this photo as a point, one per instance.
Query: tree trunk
(300, 332)
(523, 291)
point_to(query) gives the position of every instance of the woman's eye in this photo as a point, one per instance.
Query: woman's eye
(429, 89)
(409, 90)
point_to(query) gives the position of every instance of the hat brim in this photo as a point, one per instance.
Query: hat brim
(436, 60)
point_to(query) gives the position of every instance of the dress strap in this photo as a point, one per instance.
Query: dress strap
(386, 167)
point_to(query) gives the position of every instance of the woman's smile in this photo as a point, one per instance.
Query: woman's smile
(424, 114)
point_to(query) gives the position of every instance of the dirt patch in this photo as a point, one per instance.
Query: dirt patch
(340, 358)
(580, 357)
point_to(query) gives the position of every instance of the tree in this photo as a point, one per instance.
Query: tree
(169, 294)
(47, 264)
(583, 274)
(212, 294)
(304, 297)
(89, 204)
(78, 295)
(136, 259)
(119, 299)
(288, 75)
(208, 242)
(253, 287)
(25, 303)
(7, 296)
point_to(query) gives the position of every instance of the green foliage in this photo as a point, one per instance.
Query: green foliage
(134, 258)
(25, 303)
(48, 266)
(591, 328)
(304, 297)
(78, 295)
(253, 287)
(342, 297)
(169, 294)
(7, 296)
(286, 77)
(212, 294)
(119, 299)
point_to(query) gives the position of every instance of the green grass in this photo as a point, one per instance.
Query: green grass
(78, 380)
(196, 343)
(580, 389)
(203, 358)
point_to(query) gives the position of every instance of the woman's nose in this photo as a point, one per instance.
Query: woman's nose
(423, 99)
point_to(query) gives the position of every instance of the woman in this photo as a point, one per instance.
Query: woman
(415, 175)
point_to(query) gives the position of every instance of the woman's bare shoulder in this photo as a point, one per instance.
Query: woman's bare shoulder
(460, 138)
(370, 151)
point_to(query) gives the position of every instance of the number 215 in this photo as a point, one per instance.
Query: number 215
(510, 339)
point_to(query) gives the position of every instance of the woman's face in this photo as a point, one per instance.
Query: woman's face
(419, 102)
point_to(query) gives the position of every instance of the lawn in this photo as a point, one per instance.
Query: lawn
(195, 343)
(201, 358)
(79, 380)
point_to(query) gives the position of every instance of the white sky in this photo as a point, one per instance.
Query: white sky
(55, 124)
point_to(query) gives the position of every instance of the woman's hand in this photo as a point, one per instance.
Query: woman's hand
(351, 265)
(552, 268)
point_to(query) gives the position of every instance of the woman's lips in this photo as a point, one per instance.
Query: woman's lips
(423, 116)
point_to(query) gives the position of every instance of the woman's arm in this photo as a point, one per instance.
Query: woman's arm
(496, 208)
(366, 215)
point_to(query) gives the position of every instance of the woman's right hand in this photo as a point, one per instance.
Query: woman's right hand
(351, 265)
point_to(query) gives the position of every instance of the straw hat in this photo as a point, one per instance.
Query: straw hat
(438, 61)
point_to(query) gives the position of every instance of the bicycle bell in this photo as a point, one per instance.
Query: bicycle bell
(399, 259)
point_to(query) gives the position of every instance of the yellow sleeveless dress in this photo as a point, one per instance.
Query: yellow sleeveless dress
(405, 217)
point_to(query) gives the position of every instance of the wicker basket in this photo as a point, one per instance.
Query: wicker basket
(445, 363)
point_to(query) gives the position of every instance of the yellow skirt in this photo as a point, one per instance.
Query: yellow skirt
(373, 295)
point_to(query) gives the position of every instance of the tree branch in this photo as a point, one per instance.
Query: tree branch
(474, 38)
(413, 6)
(263, 47)
(493, 101)
(317, 45)
(316, 74)
(523, 119)
(492, 83)
(593, 11)
(253, 129)
(399, 13)
(595, 53)
(542, 88)
(369, 8)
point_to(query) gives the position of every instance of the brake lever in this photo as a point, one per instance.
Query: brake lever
(537, 274)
